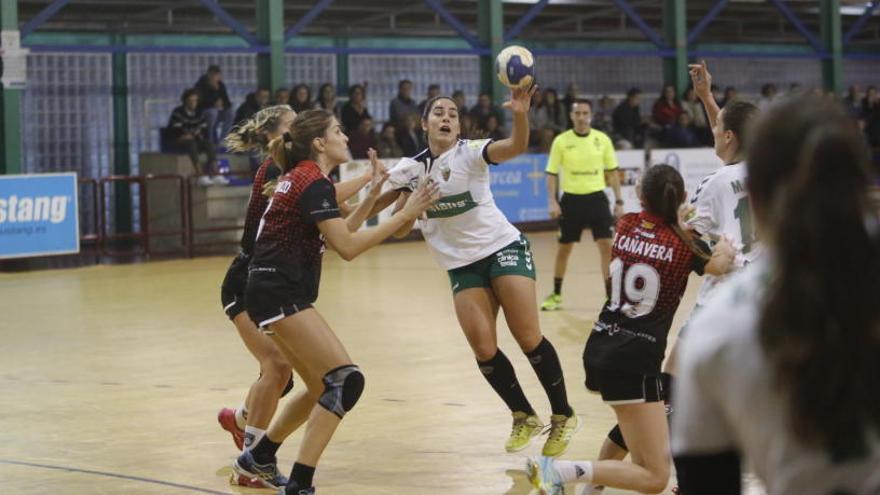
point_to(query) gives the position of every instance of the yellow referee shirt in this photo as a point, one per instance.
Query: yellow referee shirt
(583, 160)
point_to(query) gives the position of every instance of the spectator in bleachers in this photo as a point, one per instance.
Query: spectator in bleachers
(467, 126)
(301, 98)
(572, 93)
(403, 105)
(795, 89)
(355, 109)
(557, 112)
(852, 102)
(215, 104)
(681, 134)
(602, 117)
(282, 96)
(699, 122)
(189, 134)
(494, 130)
(388, 147)
(253, 103)
(460, 101)
(729, 95)
(768, 96)
(409, 138)
(362, 139)
(628, 126)
(871, 116)
(666, 108)
(327, 99)
(483, 109)
(537, 116)
(433, 92)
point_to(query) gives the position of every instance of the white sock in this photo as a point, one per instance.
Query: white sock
(241, 417)
(574, 471)
(252, 435)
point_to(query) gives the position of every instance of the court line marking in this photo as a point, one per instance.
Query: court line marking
(114, 475)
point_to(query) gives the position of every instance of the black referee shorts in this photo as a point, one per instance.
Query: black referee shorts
(580, 211)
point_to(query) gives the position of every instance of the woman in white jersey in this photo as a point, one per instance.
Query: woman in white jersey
(489, 262)
(720, 209)
(783, 368)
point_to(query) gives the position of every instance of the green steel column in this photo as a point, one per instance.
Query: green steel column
(490, 24)
(832, 42)
(10, 105)
(342, 80)
(270, 32)
(675, 31)
(121, 150)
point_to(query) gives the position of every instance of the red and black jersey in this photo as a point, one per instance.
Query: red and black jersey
(257, 204)
(288, 241)
(649, 273)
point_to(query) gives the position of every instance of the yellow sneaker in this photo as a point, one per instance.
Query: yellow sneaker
(562, 428)
(552, 303)
(525, 428)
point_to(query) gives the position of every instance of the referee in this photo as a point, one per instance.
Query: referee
(585, 159)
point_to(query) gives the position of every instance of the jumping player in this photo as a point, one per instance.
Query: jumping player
(489, 262)
(653, 256)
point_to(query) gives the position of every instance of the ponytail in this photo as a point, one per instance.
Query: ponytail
(820, 324)
(296, 145)
(253, 133)
(663, 193)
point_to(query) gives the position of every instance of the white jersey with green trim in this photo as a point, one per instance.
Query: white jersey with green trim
(464, 226)
(722, 209)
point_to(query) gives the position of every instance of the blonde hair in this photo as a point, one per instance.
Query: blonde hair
(295, 146)
(252, 134)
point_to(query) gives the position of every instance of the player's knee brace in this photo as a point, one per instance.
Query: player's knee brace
(616, 436)
(288, 387)
(342, 389)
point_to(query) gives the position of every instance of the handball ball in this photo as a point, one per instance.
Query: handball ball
(515, 67)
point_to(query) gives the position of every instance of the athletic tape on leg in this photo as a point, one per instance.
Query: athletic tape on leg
(342, 389)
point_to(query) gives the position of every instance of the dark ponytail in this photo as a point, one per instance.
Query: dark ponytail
(663, 193)
(820, 324)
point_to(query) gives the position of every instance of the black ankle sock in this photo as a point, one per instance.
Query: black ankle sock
(302, 475)
(546, 364)
(557, 286)
(264, 451)
(499, 373)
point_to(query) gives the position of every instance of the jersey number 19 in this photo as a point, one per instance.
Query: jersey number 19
(640, 284)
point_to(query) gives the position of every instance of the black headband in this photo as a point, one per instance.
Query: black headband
(288, 138)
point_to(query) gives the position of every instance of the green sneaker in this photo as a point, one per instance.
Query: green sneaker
(552, 303)
(562, 428)
(525, 428)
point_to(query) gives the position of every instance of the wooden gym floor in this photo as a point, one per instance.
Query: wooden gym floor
(111, 378)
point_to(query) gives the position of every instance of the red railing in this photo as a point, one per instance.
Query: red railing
(94, 237)
(142, 236)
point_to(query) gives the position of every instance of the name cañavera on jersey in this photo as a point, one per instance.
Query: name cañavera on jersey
(643, 248)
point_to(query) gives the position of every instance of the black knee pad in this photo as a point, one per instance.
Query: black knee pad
(289, 386)
(342, 389)
(616, 436)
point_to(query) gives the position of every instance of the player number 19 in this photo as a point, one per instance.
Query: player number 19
(640, 284)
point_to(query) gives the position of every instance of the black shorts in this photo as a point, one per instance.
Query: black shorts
(620, 388)
(270, 297)
(234, 285)
(580, 211)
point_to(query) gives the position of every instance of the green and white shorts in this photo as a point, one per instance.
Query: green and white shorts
(513, 259)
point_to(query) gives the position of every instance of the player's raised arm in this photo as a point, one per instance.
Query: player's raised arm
(518, 142)
(702, 81)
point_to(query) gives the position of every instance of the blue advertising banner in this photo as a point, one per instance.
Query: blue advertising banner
(39, 215)
(520, 188)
